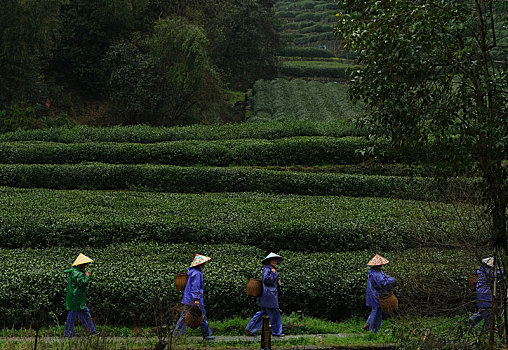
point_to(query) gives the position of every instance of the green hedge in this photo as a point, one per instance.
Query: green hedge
(281, 99)
(127, 278)
(44, 218)
(288, 151)
(295, 51)
(150, 134)
(301, 72)
(318, 28)
(314, 38)
(163, 178)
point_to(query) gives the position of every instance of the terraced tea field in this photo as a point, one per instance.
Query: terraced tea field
(142, 201)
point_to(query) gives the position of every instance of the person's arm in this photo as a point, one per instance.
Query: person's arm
(383, 281)
(196, 281)
(269, 276)
(81, 279)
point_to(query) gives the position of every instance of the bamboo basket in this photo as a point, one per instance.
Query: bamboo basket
(388, 302)
(194, 317)
(181, 280)
(472, 279)
(254, 287)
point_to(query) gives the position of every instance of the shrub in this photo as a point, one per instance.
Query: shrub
(295, 51)
(297, 99)
(149, 134)
(126, 279)
(203, 179)
(314, 38)
(44, 218)
(317, 28)
(287, 151)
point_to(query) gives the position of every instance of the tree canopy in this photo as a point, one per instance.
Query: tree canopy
(436, 72)
(72, 54)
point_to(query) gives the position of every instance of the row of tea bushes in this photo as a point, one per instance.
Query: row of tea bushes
(151, 134)
(283, 100)
(164, 178)
(287, 151)
(311, 69)
(129, 281)
(44, 218)
(295, 51)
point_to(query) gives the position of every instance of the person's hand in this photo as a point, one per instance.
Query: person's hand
(87, 273)
(273, 270)
(196, 302)
(280, 284)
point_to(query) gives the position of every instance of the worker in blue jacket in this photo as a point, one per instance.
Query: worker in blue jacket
(377, 283)
(193, 295)
(483, 294)
(269, 300)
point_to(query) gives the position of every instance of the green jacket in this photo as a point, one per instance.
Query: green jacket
(76, 289)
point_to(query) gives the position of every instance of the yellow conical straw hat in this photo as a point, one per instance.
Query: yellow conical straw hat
(81, 259)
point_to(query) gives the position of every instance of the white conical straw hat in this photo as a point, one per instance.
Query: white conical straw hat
(489, 261)
(272, 256)
(377, 261)
(82, 259)
(199, 260)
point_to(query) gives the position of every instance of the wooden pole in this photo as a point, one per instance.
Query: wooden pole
(266, 334)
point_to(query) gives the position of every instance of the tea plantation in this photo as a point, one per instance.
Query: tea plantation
(141, 201)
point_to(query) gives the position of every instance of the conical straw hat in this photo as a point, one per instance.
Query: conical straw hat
(272, 256)
(199, 260)
(82, 259)
(377, 261)
(489, 261)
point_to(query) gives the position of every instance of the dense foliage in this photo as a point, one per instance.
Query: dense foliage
(162, 178)
(132, 60)
(436, 72)
(129, 279)
(284, 100)
(286, 151)
(42, 218)
(147, 134)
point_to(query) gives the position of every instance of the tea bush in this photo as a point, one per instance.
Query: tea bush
(297, 99)
(163, 178)
(287, 151)
(295, 51)
(128, 279)
(293, 70)
(44, 218)
(150, 134)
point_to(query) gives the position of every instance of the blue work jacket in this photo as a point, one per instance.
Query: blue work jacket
(270, 295)
(194, 288)
(377, 282)
(485, 279)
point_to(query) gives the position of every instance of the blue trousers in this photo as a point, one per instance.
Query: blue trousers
(477, 317)
(257, 320)
(374, 320)
(85, 318)
(180, 325)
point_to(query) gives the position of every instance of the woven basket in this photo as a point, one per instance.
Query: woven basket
(254, 287)
(194, 317)
(181, 280)
(388, 302)
(472, 279)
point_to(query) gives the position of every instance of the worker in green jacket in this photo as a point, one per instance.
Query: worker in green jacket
(75, 301)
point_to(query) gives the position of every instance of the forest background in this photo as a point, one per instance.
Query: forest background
(130, 61)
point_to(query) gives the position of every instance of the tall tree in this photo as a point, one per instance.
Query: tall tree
(28, 34)
(436, 71)
(248, 43)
